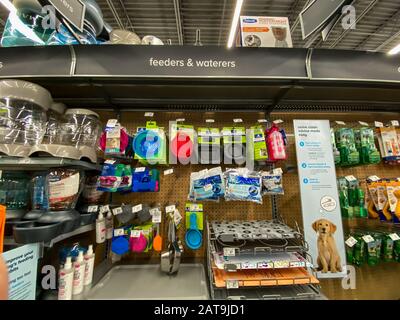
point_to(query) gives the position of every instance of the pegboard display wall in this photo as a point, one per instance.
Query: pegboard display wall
(174, 188)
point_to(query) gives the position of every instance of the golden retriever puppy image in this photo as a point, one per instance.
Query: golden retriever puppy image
(328, 256)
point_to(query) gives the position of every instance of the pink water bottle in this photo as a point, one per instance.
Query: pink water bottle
(276, 144)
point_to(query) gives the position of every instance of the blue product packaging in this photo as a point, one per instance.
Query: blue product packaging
(243, 185)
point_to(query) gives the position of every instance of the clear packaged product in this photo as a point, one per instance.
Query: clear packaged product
(243, 185)
(272, 182)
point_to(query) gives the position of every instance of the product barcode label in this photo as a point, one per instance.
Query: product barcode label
(374, 178)
(117, 211)
(109, 161)
(351, 242)
(177, 217)
(364, 124)
(262, 120)
(278, 121)
(93, 209)
(149, 114)
(169, 209)
(137, 208)
(119, 232)
(394, 236)
(135, 233)
(210, 120)
(229, 252)
(367, 238)
(112, 123)
(378, 124)
(351, 178)
(341, 123)
(395, 123)
(140, 169)
(104, 209)
(180, 120)
(237, 120)
(232, 284)
(168, 172)
(156, 218)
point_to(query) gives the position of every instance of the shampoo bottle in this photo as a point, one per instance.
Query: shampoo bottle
(89, 266)
(66, 277)
(100, 229)
(79, 274)
(109, 225)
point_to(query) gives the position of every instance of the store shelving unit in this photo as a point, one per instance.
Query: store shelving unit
(43, 163)
(123, 79)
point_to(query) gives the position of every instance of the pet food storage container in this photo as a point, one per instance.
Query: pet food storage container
(92, 27)
(80, 129)
(54, 117)
(29, 12)
(14, 194)
(23, 107)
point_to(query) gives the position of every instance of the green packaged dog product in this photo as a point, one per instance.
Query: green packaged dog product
(387, 248)
(365, 144)
(359, 250)
(345, 142)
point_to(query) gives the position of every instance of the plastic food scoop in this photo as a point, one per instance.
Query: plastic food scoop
(157, 242)
(138, 244)
(193, 236)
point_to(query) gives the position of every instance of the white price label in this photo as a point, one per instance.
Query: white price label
(1, 174)
(208, 187)
(229, 252)
(237, 120)
(362, 123)
(210, 120)
(156, 217)
(278, 121)
(93, 209)
(169, 209)
(112, 123)
(168, 172)
(177, 217)
(395, 123)
(262, 120)
(137, 208)
(117, 211)
(394, 236)
(135, 233)
(232, 284)
(119, 232)
(104, 209)
(341, 123)
(149, 114)
(180, 120)
(374, 178)
(351, 242)
(109, 161)
(141, 169)
(367, 238)
(351, 178)
(378, 124)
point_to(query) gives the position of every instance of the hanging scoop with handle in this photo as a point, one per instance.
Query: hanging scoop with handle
(157, 242)
(193, 237)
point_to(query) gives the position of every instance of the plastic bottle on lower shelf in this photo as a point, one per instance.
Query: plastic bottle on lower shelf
(66, 278)
(79, 274)
(89, 266)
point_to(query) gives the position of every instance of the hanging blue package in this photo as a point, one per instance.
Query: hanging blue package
(242, 187)
(146, 180)
(147, 144)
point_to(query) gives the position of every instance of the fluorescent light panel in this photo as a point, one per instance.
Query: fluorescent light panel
(235, 21)
(395, 50)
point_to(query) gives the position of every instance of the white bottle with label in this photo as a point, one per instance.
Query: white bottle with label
(89, 266)
(109, 225)
(79, 274)
(100, 229)
(66, 278)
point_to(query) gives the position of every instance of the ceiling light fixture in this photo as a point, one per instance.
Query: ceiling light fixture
(18, 24)
(235, 21)
(395, 50)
